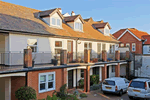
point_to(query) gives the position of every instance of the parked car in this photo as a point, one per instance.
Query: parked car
(115, 85)
(139, 88)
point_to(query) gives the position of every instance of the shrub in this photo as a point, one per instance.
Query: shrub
(25, 93)
(54, 97)
(63, 92)
(83, 95)
(94, 79)
(81, 83)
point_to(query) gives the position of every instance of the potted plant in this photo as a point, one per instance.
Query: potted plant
(33, 60)
(55, 61)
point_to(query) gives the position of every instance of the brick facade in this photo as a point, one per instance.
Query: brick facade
(33, 81)
(128, 38)
(16, 83)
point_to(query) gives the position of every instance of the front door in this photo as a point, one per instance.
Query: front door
(107, 71)
(70, 51)
(70, 79)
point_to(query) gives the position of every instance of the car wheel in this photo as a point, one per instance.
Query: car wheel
(120, 93)
(104, 92)
(130, 97)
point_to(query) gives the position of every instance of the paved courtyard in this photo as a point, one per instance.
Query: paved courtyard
(98, 95)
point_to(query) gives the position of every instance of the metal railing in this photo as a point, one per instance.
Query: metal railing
(122, 56)
(111, 56)
(17, 58)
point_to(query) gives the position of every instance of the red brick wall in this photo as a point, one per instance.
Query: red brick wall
(16, 83)
(33, 81)
(128, 38)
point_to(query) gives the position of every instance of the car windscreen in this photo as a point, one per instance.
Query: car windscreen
(109, 82)
(137, 84)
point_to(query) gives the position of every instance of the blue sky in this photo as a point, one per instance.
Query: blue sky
(119, 13)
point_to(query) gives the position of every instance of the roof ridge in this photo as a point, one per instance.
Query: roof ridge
(18, 5)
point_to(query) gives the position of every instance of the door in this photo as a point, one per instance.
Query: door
(107, 71)
(70, 51)
(96, 71)
(70, 79)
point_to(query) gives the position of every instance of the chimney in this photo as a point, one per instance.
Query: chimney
(60, 10)
(27, 58)
(72, 13)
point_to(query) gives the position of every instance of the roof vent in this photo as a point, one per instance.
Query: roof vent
(72, 13)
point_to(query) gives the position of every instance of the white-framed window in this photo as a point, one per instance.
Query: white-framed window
(133, 47)
(58, 22)
(121, 45)
(32, 44)
(58, 47)
(103, 46)
(99, 50)
(78, 26)
(113, 68)
(127, 45)
(82, 73)
(53, 21)
(46, 82)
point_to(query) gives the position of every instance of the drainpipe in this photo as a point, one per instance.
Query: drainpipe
(26, 79)
(76, 78)
(77, 49)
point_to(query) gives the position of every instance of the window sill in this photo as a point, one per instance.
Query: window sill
(43, 91)
(55, 26)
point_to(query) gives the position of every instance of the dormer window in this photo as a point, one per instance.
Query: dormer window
(78, 26)
(75, 22)
(56, 22)
(103, 27)
(52, 17)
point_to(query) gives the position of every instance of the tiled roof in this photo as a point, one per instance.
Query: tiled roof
(100, 25)
(18, 18)
(136, 32)
(46, 13)
(70, 18)
(146, 38)
(118, 33)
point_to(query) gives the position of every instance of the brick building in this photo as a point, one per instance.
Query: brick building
(132, 38)
(82, 47)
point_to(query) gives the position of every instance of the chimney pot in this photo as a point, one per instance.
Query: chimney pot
(72, 13)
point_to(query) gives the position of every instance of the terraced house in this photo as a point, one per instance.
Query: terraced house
(82, 47)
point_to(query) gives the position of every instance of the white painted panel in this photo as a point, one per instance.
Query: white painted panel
(123, 70)
(91, 71)
(111, 74)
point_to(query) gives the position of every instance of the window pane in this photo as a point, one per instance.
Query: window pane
(53, 21)
(85, 45)
(50, 77)
(58, 22)
(98, 47)
(80, 26)
(50, 84)
(42, 86)
(90, 45)
(103, 46)
(76, 25)
(57, 51)
(58, 43)
(43, 78)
